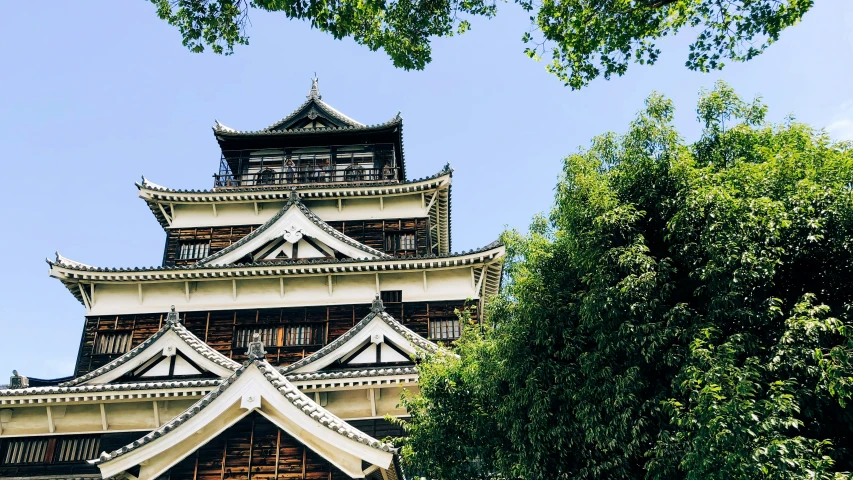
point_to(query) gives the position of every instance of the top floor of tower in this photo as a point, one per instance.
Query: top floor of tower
(316, 144)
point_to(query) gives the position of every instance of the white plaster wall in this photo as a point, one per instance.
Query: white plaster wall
(227, 214)
(265, 292)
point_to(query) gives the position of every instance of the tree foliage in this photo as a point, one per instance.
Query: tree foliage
(683, 312)
(583, 39)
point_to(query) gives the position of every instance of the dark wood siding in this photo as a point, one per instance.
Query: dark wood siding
(254, 448)
(372, 232)
(51, 457)
(369, 232)
(218, 328)
(219, 238)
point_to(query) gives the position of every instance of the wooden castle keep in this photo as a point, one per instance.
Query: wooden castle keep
(280, 329)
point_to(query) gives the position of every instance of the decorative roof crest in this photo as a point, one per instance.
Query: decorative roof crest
(315, 89)
(18, 381)
(173, 318)
(294, 197)
(256, 348)
(377, 306)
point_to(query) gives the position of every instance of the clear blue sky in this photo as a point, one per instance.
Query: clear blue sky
(94, 94)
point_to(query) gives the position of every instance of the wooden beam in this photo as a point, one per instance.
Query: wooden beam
(156, 413)
(234, 288)
(165, 215)
(281, 286)
(214, 210)
(86, 302)
(256, 207)
(330, 285)
(425, 281)
(187, 290)
(50, 426)
(377, 283)
(139, 285)
(372, 395)
(381, 202)
(432, 200)
(92, 294)
(104, 425)
(423, 200)
(482, 277)
(340, 205)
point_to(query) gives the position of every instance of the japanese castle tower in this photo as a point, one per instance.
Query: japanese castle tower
(280, 329)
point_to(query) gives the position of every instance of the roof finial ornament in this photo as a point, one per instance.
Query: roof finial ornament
(377, 306)
(18, 381)
(173, 318)
(315, 88)
(256, 348)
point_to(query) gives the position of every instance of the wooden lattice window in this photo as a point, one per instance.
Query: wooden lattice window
(113, 342)
(194, 250)
(77, 449)
(391, 296)
(447, 329)
(309, 334)
(268, 335)
(400, 242)
(26, 450)
(281, 336)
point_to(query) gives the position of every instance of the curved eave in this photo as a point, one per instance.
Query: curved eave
(108, 392)
(76, 278)
(159, 198)
(224, 134)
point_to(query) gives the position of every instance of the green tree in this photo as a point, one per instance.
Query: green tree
(582, 39)
(683, 312)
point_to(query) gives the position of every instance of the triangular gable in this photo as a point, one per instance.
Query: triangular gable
(255, 387)
(378, 340)
(172, 352)
(293, 233)
(314, 114)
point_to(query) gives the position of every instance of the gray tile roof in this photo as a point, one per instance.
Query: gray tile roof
(287, 390)
(343, 262)
(284, 190)
(377, 310)
(291, 202)
(362, 373)
(108, 387)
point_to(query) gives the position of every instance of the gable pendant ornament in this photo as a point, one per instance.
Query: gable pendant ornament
(292, 234)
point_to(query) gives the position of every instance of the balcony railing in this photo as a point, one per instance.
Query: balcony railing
(296, 176)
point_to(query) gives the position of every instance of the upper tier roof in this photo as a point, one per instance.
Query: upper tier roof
(312, 109)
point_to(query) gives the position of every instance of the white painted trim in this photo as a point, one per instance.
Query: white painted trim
(224, 411)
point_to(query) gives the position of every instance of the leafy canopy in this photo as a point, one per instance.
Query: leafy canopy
(583, 39)
(683, 312)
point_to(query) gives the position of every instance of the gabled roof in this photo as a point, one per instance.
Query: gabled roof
(292, 223)
(312, 109)
(256, 386)
(173, 338)
(377, 323)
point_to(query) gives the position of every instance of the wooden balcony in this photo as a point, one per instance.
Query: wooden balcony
(306, 175)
